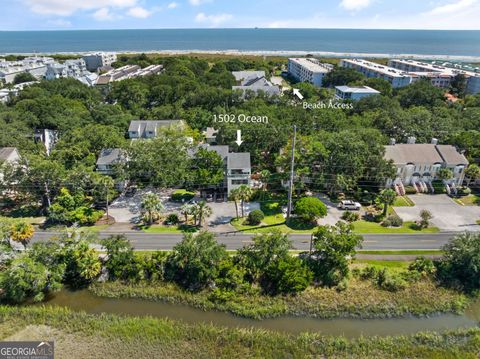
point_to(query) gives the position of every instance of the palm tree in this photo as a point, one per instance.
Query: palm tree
(22, 232)
(187, 209)
(244, 193)
(387, 197)
(235, 197)
(151, 207)
(265, 176)
(203, 211)
(472, 173)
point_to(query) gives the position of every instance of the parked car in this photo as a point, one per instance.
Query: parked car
(349, 205)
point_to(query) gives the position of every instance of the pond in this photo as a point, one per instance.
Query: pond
(86, 301)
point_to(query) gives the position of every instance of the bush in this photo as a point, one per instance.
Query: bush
(182, 195)
(422, 265)
(172, 219)
(369, 272)
(289, 275)
(255, 217)
(438, 186)
(350, 216)
(464, 191)
(410, 190)
(310, 209)
(392, 221)
(390, 282)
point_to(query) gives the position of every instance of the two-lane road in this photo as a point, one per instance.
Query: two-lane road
(166, 241)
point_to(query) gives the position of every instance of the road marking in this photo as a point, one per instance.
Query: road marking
(370, 241)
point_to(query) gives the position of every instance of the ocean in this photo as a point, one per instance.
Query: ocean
(283, 41)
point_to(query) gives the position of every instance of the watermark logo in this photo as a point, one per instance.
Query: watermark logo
(26, 350)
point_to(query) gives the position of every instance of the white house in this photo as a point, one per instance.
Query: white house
(150, 129)
(354, 93)
(254, 81)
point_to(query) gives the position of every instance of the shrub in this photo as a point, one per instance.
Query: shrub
(392, 221)
(182, 195)
(369, 272)
(350, 216)
(288, 275)
(310, 209)
(464, 191)
(438, 186)
(390, 282)
(172, 219)
(410, 190)
(255, 217)
(422, 265)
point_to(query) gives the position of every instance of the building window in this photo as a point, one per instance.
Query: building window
(239, 182)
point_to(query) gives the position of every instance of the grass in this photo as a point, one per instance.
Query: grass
(81, 335)
(470, 200)
(158, 228)
(402, 252)
(94, 228)
(403, 201)
(365, 227)
(362, 299)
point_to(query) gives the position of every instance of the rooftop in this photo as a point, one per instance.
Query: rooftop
(403, 154)
(359, 89)
(387, 70)
(7, 152)
(312, 64)
(110, 156)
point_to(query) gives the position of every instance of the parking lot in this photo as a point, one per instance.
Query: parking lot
(447, 214)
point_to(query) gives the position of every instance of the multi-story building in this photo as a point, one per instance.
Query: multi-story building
(108, 159)
(354, 93)
(308, 70)
(127, 72)
(36, 66)
(397, 78)
(47, 137)
(420, 163)
(100, 59)
(441, 76)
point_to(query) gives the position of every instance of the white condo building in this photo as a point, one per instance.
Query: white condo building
(354, 93)
(308, 70)
(99, 59)
(397, 78)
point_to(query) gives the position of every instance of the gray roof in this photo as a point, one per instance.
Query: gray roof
(110, 156)
(7, 152)
(357, 89)
(238, 160)
(451, 155)
(242, 75)
(424, 153)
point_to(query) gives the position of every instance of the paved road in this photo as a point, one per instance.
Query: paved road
(147, 241)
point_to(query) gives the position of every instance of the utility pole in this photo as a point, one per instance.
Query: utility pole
(292, 173)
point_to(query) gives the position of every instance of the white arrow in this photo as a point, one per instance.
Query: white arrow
(239, 137)
(296, 92)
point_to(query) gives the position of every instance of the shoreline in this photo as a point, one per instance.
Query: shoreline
(281, 53)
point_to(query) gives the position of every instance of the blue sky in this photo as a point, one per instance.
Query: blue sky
(130, 14)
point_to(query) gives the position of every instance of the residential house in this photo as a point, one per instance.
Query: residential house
(419, 164)
(211, 135)
(254, 81)
(354, 93)
(150, 129)
(9, 155)
(108, 159)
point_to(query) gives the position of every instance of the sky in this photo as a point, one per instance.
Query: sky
(155, 14)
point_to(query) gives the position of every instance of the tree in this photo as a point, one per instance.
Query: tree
(425, 217)
(420, 93)
(73, 208)
(121, 261)
(333, 246)
(202, 211)
(24, 278)
(266, 248)
(244, 194)
(472, 173)
(289, 275)
(444, 174)
(23, 77)
(235, 197)
(208, 169)
(187, 209)
(341, 76)
(152, 206)
(458, 85)
(265, 177)
(194, 262)
(21, 232)
(387, 197)
(310, 209)
(460, 264)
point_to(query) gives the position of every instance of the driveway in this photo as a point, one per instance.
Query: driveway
(447, 214)
(224, 212)
(333, 213)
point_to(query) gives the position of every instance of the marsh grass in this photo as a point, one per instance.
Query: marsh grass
(78, 334)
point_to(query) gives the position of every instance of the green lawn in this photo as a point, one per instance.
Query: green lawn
(470, 200)
(403, 201)
(157, 228)
(402, 252)
(93, 228)
(365, 227)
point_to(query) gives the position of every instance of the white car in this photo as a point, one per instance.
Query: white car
(349, 205)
